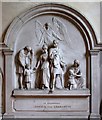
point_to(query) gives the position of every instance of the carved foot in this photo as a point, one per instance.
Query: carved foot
(44, 87)
(50, 91)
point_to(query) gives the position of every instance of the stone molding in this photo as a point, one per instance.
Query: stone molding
(52, 8)
(78, 20)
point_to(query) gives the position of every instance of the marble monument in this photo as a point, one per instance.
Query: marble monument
(50, 63)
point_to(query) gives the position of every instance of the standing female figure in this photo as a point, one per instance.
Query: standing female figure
(44, 67)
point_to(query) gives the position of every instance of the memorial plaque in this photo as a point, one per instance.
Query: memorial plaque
(49, 73)
(51, 104)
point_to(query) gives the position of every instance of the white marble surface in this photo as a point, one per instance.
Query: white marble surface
(57, 92)
(63, 102)
(91, 10)
(0, 20)
(0, 93)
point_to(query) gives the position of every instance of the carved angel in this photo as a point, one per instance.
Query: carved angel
(50, 31)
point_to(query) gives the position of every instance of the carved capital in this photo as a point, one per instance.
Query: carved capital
(7, 52)
(94, 52)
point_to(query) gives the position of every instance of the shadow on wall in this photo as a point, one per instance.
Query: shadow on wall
(2, 92)
(101, 109)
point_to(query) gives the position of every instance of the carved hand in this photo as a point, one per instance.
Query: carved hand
(35, 68)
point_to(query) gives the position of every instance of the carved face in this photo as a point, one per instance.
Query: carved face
(76, 63)
(27, 49)
(44, 48)
(55, 43)
(46, 26)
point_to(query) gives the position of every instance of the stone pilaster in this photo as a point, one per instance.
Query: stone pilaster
(95, 85)
(8, 80)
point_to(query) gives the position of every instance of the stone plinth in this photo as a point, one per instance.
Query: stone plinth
(61, 103)
(78, 41)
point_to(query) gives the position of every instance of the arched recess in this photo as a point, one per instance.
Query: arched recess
(85, 29)
(51, 8)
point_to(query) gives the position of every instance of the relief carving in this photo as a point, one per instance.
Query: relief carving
(50, 31)
(24, 67)
(56, 67)
(50, 66)
(55, 32)
(76, 81)
(43, 62)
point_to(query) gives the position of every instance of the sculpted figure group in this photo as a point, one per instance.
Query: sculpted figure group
(24, 70)
(52, 68)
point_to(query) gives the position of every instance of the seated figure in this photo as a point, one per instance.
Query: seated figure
(76, 76)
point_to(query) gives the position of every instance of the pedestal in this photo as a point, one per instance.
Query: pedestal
(59, 104)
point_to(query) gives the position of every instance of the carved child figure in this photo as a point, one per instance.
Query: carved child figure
(72, 83)
(25, 57)
(27, 77)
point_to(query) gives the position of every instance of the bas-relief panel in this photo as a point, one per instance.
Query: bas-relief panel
(43, 30)
(51, 52)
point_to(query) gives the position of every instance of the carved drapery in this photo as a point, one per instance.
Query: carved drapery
(89, 38)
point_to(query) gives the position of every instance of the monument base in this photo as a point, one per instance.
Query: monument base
(41, 104)
(95, 116)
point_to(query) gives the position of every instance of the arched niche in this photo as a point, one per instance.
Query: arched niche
(79, 43)
(23, 33)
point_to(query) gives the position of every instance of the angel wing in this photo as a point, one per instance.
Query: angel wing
(39, 31)
(43, 32)
(60, 28)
